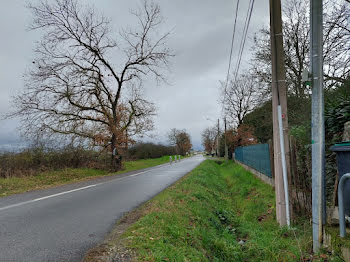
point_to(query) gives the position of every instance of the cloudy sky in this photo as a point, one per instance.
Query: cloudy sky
(201, 39)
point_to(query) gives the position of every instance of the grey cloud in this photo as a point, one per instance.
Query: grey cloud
(201, 40)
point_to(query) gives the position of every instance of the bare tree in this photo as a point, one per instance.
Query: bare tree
(181, 140)
(209, 136)
(86, 84)
(337, 42)
(296, 35)
(239, 98)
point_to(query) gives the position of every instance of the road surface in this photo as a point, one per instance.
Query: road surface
(62, 223)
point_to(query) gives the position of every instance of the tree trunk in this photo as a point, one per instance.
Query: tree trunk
(116, 158)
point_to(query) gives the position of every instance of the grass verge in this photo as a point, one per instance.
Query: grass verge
(15, 185)
(219, 212)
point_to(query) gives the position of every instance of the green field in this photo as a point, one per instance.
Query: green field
(14, 185)
(219, 212)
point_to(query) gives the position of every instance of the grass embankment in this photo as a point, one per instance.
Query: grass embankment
(216, 213)
(14, 185)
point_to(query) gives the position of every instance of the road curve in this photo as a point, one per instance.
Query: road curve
(62, 223)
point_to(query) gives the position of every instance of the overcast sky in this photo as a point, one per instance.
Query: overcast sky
(201, 41)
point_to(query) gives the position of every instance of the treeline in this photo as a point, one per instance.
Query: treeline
(37, 159)
(150, 150)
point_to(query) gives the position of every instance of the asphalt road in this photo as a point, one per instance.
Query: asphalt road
(62, 223)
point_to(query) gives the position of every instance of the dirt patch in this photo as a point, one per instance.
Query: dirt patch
(112, 248)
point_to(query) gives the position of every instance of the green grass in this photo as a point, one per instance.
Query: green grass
(219, 212)
(336, 241)
(15, 185)
(143, 163)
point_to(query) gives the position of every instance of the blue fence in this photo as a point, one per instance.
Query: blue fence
(255, 156)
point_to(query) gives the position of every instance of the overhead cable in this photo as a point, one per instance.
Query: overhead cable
(244, 36)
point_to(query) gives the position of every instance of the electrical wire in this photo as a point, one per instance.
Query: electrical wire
(231, 51)
(243, 40)
(242, 45)
(232, 42)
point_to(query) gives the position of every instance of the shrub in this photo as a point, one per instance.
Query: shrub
(150, 150)
(38, 159)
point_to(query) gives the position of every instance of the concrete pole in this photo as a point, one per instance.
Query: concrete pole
(279, 97)
(317, 125)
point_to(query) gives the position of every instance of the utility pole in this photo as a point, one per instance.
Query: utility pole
(226, 149)
(317, 126)
(279, 99)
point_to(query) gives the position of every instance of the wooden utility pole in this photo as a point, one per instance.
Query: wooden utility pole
(279, 97)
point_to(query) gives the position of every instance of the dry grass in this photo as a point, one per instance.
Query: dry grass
(15, 185)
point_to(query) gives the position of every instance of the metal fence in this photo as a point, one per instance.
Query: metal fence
(255, 156)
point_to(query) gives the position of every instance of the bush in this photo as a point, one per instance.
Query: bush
(337, 113)
(35, 160)
(150, 150)
(260, 119)
(38, 159)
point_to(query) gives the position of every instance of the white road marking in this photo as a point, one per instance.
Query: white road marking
(46, 197)
(71, 191)
(137, 174)
(146, 171)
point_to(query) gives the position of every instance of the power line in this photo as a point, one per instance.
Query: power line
(242, 45)
(243, 40)
(244, 37)
(233, 39)
(230, 59)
